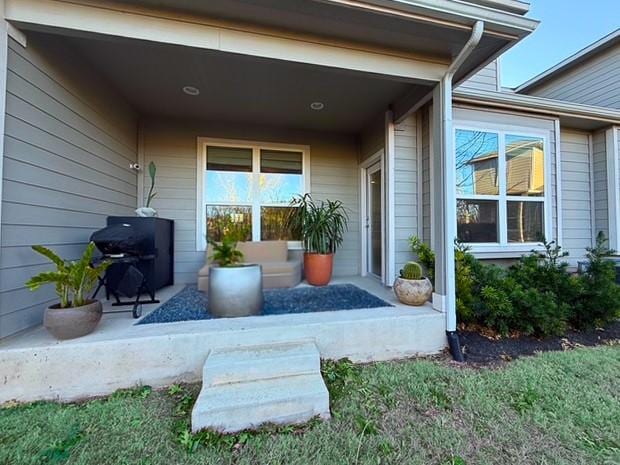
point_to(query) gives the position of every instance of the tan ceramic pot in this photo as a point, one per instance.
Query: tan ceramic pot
(413, 291)
(318, 268)
(69, 323)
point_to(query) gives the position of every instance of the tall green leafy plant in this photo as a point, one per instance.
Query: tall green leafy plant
(321, 224)
(74, 280)
(152, 192)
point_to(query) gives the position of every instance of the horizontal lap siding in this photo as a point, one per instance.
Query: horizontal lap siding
(405, 188)
(485, 79)
(172, 145)
(593, 82)
(576, 201)
(69, 141)
(601, 214)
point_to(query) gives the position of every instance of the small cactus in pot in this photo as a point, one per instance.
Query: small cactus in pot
(411, 270)
(412, 287)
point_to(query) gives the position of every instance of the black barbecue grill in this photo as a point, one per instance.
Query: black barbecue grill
(140, 252)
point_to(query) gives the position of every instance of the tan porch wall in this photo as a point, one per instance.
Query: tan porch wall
(172, 145)
(69, 142)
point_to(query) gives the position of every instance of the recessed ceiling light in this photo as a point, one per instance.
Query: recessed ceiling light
(317, 106)
(191, 90)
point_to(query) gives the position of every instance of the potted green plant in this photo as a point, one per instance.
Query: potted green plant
(76, 314)
(412, 288)
(235, 288)
(321, 226)
(147, 210)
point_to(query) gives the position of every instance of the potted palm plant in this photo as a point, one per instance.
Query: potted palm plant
(321, 226)
(235, 288)
(76, 314)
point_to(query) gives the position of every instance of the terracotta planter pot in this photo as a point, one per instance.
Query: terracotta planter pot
(318, 268)
(69, 323)
(413, 291)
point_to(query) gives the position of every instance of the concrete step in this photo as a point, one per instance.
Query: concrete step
(261, 362)
(246, 387)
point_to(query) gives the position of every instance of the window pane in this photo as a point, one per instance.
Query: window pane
(279, 188)
(281, 176)
(525, 166)
(273, 224)
(222, 186)
(476, 162)
(477, 220)
(525, 221)
(234, 221)
(278, 161)
(229, 159)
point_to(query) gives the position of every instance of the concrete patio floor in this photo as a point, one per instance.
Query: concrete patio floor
(34, 366)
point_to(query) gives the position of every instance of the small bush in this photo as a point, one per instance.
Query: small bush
(426, 256)
(599, 300)
(535, 296)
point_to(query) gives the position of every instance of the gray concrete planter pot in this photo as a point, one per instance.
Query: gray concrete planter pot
(69, 323)
(235, 291)
(413, 291)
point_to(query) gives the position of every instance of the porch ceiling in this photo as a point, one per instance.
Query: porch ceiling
(238, 88)
(419, 27)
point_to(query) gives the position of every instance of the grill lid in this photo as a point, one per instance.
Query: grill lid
(121, 238)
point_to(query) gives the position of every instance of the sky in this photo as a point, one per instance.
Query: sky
(566, 27)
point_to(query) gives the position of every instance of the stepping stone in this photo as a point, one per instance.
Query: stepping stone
(248, 386)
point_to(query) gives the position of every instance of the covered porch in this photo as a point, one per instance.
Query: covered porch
(93, 91)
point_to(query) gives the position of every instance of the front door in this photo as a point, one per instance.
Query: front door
(374, 220)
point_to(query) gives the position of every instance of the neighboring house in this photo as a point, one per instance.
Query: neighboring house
(242, 103)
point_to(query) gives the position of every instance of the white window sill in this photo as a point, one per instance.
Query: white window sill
(491, 251)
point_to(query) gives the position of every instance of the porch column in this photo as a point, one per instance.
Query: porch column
(444, 202)
(4, 45)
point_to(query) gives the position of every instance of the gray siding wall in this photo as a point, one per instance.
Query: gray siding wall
(172, 145)
(601, 215)
(576, 193)
(405, 188)
(593, 82)
(485, 79)
(69, 142)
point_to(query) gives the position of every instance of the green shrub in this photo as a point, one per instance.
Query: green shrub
(599, 300)
(426, 256)
(535, 296)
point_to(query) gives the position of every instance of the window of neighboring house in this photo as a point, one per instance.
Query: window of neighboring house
(247, 189)
(500, 187)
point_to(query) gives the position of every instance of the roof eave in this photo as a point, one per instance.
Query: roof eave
(460, 13)
(528, 103)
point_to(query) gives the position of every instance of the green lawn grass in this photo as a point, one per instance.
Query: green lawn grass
(554, 408)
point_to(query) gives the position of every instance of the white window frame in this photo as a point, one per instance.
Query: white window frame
(256, 147)
(503, 248)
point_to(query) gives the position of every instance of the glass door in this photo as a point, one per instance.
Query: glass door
(374, 219)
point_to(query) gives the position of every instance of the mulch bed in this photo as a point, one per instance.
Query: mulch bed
(487, 349)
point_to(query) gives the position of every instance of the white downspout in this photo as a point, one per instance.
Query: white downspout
(449, 180)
